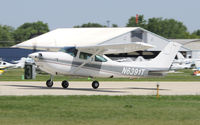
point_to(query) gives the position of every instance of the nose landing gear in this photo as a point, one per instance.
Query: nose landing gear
(49, 82)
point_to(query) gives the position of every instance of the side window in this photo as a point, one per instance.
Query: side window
(84, 55)
(99, 58)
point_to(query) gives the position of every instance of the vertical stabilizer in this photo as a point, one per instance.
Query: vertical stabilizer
(166, 56)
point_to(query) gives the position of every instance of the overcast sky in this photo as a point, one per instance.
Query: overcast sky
(67, 13)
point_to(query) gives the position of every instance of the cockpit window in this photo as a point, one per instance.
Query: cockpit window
(4, 63)
(99, 58)
(84, 55)
(70, 50)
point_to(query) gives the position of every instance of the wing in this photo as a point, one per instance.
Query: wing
(48, 48)
(105, 48)
(115, 48)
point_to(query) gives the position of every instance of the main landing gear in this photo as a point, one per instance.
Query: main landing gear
(95, 84)
(65, 83)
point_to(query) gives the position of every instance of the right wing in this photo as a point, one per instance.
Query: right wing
(105, 48)
(115, 48)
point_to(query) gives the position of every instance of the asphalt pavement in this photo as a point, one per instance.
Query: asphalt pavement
(106, 88)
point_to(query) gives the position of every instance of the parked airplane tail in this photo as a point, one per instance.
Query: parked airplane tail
(180, 56)
(166, 56)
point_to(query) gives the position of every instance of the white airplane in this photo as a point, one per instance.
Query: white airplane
(5, 65)
(181, 62)
(184, 63)
(91, 62)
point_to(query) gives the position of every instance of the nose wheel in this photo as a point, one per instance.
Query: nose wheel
(49, 82)
(95, 84)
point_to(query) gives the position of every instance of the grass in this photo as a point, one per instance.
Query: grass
(16, 75)
(98, 110)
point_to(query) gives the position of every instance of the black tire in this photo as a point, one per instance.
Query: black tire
(95, 84)
(49, 83)
(65, 84)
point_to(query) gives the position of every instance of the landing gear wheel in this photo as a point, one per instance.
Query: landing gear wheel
(49, 83)
(95, 84)
(65, 84)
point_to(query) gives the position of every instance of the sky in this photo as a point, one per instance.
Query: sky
(68, 13)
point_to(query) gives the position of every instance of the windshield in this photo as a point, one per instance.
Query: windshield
(70, 50)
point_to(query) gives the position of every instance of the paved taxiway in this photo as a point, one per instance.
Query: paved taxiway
(106, 88)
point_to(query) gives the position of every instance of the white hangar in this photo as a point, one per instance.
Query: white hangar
(64, 37)
(193, 46)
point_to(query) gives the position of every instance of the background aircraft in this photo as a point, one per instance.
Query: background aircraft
(5, 65)
(184, 63)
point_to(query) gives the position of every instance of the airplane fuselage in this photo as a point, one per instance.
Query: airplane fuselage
(62, 63)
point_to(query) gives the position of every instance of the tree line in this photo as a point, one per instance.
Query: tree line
(10, 36)
(168, 28)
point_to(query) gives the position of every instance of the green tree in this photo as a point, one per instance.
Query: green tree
(30, 30)
(196, 33)
(168, 28)
(6, 33)
(141, 22)
(114, 25)
(90, 25)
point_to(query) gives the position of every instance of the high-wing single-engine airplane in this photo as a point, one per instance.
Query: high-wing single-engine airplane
(90, 61)
(5, 65)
